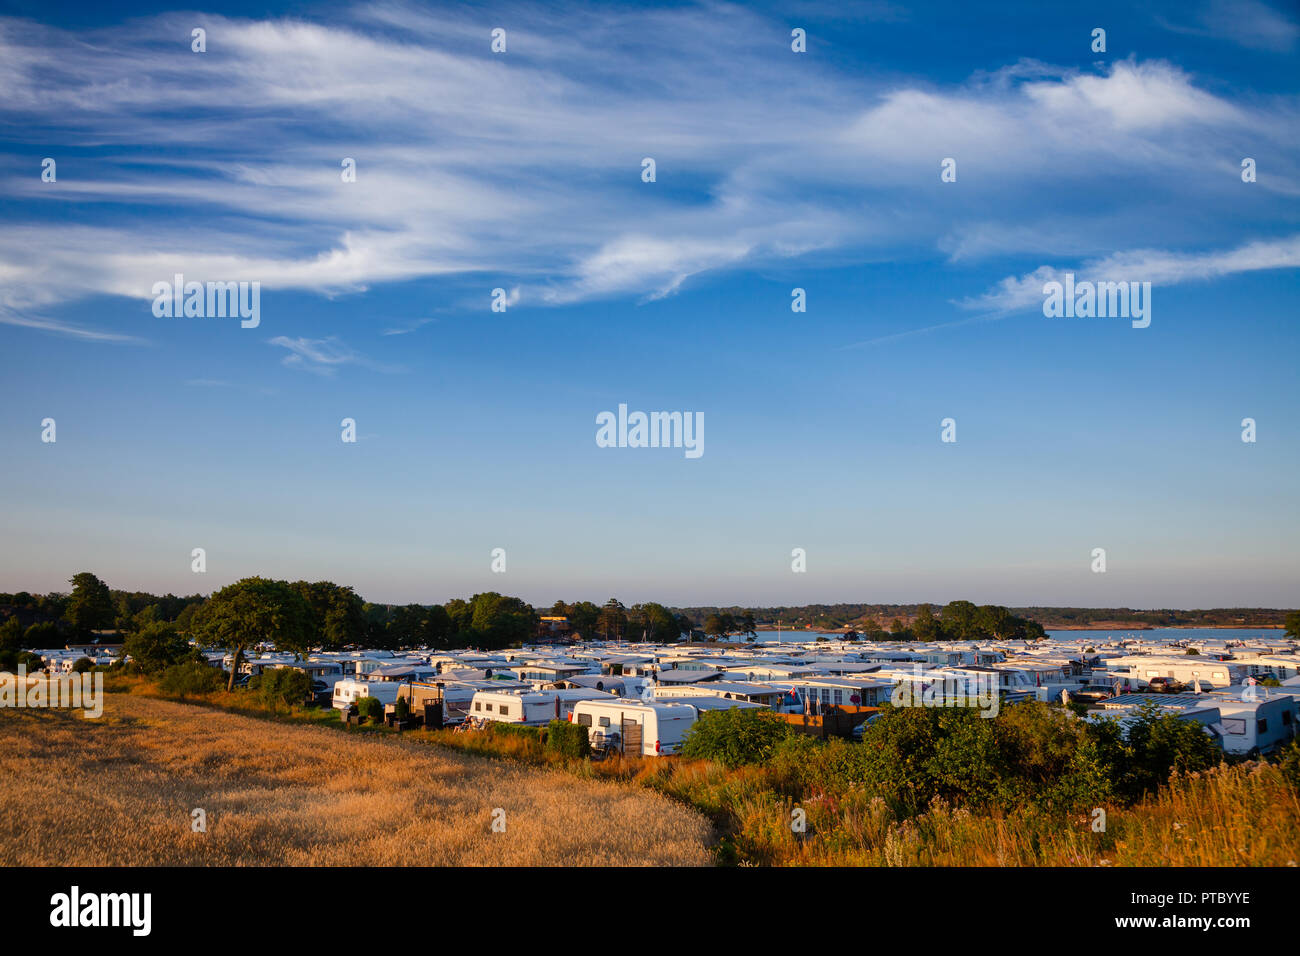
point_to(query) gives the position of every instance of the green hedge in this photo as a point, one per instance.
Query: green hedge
(371, 707)
(567, 740)
(518, 730)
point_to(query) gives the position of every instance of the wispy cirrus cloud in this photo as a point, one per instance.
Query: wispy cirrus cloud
(325, 356)
(1162, 268)
(528, 165)
(1248, 23)
(1157, 266)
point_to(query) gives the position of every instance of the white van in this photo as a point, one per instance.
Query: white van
(348, 692)
(648, 729)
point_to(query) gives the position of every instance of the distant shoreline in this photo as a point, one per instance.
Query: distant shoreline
(1118, 626)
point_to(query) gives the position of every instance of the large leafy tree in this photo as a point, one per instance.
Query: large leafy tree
(251, 611)
(90, 607)
(155, 646)
(338, 614)
(612, 620)
(499, 621)
(1293, 625)
(719, 625)
(926, 627)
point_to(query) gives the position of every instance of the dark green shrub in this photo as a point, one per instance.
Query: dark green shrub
(517, 730)
(402, 708)
(1159, 743)
(191, 679)
(82, 665)
(371, 707)
(284, 685)
(734, 737)
(567, 740)
(155, 647)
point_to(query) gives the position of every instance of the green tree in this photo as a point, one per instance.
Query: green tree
(155, 647)
(42, 634)
(497, 621)
(251, 611)
(719, 625)
(11, 634)
(925, 627)
(338, 615)
(90, 606)
(960, 620)
(1293, 625)
(612, 620)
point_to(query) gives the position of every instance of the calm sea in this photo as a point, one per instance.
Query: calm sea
(1155, 634)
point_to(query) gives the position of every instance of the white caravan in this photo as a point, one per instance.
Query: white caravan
(536, 708)
(645, 729)
(348, 692)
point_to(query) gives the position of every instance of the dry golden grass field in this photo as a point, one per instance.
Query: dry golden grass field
(120, 791)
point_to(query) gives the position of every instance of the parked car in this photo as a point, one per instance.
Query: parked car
(322, 693)
(1092, 693)
(1165, 685)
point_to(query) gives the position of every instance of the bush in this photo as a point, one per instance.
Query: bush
(82, 665)
(371, 707)
(283, 685)
(568, 740)
(1028, 754)
(402, 709)
(517, 730)
(155, 647)
(191, 679)
(1290, 764)
(1159, 743)
(734, 737)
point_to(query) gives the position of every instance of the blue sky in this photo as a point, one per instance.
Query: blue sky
(775, 170)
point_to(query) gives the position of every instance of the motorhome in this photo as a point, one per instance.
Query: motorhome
(348, 692)
(633, 727)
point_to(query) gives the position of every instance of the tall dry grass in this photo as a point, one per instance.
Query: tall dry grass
(120, 791)
(1243, 815)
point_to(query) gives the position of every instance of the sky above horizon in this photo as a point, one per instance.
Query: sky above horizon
(774, 170)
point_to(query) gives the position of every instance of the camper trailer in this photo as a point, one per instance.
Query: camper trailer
(636, 728)
(348, 692)
(536, 708)
(1254, 726)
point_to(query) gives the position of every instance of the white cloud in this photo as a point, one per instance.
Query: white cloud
(324, 356)
(1159, 267)
(528, 166)
(1248, 23)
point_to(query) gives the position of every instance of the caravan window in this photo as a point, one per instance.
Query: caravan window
(584, 720)
(1235, 726)
(489, 707)
(478, 705)
(1263, 726)
(603, 722)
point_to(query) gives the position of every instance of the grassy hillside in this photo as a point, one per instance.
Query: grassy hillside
(120, 791)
